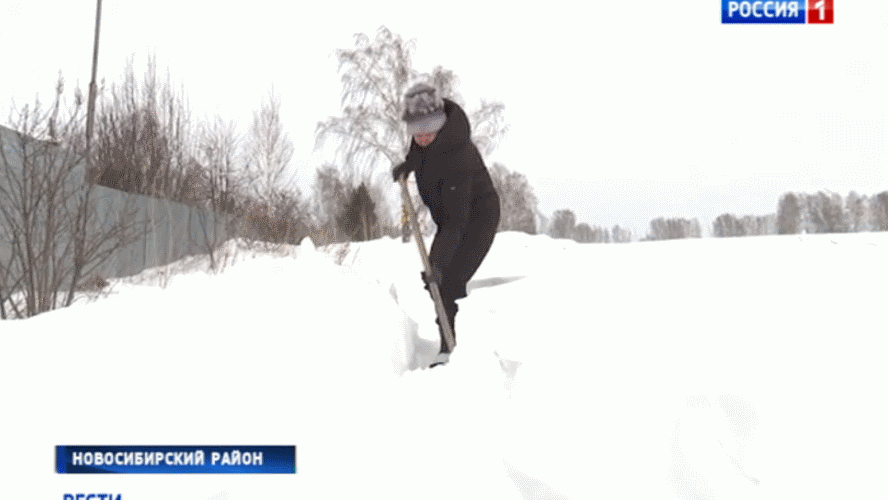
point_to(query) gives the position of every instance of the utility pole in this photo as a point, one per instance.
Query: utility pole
(82, 220)
(92, 87)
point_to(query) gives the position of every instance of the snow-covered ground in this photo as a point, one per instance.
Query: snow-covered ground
(694, 369)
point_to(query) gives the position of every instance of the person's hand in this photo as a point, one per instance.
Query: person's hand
(435, 277)
(401, 170)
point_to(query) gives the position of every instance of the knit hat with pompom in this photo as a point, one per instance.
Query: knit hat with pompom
(423, 110)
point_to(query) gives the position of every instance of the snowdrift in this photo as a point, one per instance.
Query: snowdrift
(736, 368)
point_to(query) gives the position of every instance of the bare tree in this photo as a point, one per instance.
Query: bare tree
(727, 225)
(584, 233)
(61, 239)
(375, 75)
(857, 208)
(290, 213)
(222, 181)
(330, 195)
(759, 225)
(620, 235)
(370, 133)
(270, 149)
(674, 228)
(563, 224)
(600, 235)
(659, 230)
(826, 213)
(220, 155)
(487, 121)
(518, 204)
(815, 214)
(789, 214)
(446, 82)
(488, 126)
(880, 211)
(273, 211)
(358, 219)
(388, 222)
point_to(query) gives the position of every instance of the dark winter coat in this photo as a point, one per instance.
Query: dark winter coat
(456, 187)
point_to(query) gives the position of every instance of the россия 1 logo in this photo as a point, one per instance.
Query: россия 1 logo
(777, 11)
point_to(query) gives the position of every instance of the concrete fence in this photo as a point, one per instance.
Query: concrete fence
(166, 230)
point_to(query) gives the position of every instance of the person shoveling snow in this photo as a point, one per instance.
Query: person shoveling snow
(455, 185)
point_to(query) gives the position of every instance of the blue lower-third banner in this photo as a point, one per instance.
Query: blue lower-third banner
(176, 459)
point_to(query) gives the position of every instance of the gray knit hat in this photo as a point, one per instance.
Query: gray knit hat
(423, 109)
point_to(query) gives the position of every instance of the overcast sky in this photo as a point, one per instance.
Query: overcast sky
(623, 111)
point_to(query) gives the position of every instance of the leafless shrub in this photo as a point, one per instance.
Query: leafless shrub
(57, 232)
(93, 283)
(279, 221)
(144, 141)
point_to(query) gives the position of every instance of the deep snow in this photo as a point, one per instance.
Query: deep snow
(714, 368)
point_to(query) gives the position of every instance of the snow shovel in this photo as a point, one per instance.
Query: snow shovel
(433, 287)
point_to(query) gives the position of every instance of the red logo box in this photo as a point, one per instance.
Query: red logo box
(820, 11)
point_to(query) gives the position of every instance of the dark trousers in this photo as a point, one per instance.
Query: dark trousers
(474, 246)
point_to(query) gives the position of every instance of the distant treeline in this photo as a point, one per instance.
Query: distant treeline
(821, 212)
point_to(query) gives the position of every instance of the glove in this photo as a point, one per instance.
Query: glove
(401, 170)
(434, 278)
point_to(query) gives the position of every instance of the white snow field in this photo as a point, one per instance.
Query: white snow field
(692, 369)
